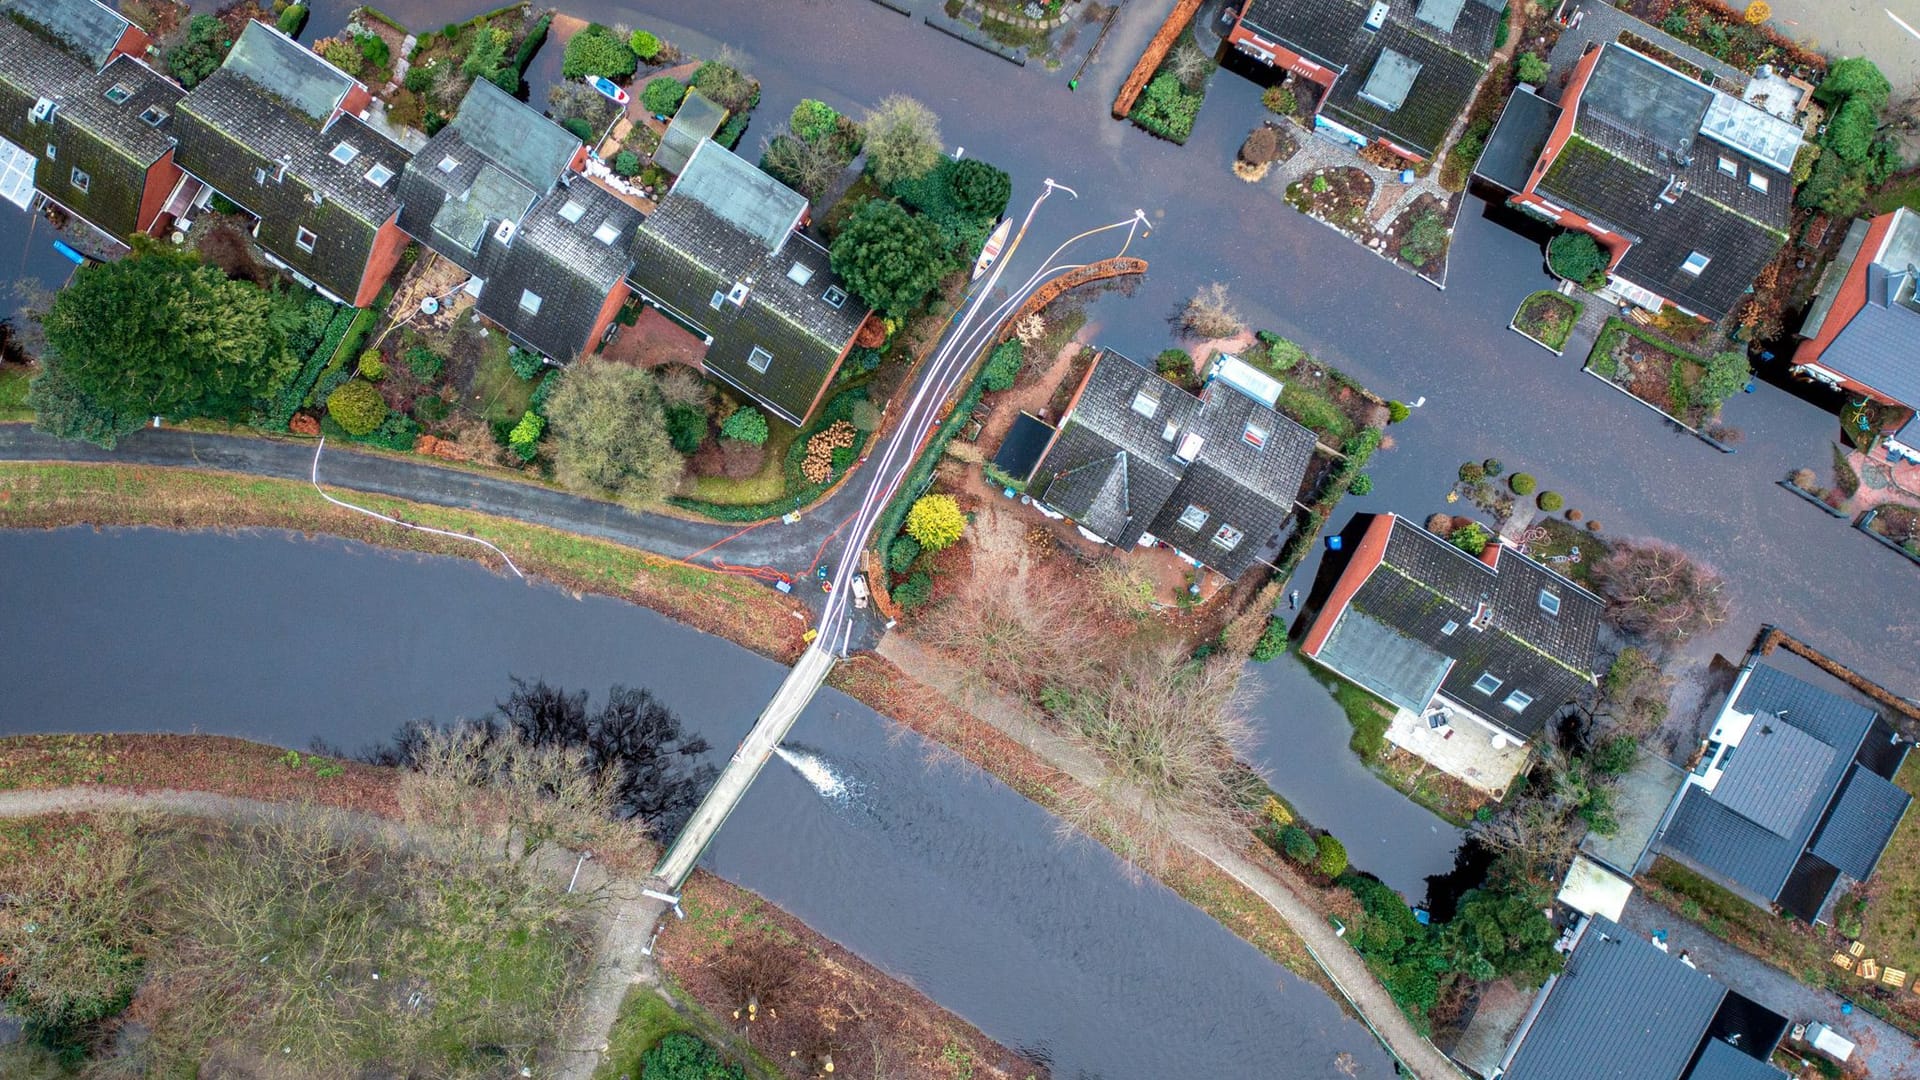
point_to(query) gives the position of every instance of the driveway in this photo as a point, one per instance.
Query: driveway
(1883, 1049)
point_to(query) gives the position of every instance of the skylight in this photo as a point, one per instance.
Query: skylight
(343, 154)
(800, 273)
(1757, 182)
(118, 93)
(448, 164)
(1695, 263)
(1549, 602)
(835, 296)
(570, 213)
(1255, 435)
(1146, 402)
(379, 175)
(607, 233)
(759, 359)
(1487, 683)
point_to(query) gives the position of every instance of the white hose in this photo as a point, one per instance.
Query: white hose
(403, 524)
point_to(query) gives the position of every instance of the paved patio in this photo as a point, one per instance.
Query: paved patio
(1464, 748)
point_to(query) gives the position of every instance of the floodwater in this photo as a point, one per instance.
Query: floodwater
(922, 864)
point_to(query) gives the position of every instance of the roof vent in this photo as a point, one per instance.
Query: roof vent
(1482, 616)
(1377, 18)
(42, 111)
(504, 233)
(1675, 188)
(738, 294)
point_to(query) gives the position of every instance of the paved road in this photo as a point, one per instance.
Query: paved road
(1884, 1050)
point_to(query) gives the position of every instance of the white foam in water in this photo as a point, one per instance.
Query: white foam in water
(815, 771)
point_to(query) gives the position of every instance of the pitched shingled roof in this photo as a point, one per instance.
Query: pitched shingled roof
(1638, 164)
(1112, 467)
(1406, 81)
(727, 230)
(569, 253)
(88, 29)
(1879, 345)
(1796, 802)
(1429, 591)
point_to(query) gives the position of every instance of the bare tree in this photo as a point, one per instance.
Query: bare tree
(1656, 592)
(1210, 314)
(1188, 64)
(1633, 697)
(682, 387)
(754, 970)
(1013, 627)
(810, 168)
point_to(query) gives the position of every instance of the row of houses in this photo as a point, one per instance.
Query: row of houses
(500, 191)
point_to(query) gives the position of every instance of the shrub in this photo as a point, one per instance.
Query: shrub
(1175, 365)
(1550, 501)
(1273, 640)
(1298, 845)
(1522, 483)
(374, 50)
(680, 1056)
(626, 164)
(1530, 68)
(1577, 257)
(1397, 412)
(644, 45)
(813, 120)
(1472, 473)
(747, 424)
(1332, 855)
(1167, 108)
(1362, 485)
(1262, 146)
(1493, 466)
(372, 367)
(419, 77)
(979, 189)
(1615, 755)
(936, 521)
(525, 437)
(1426, 240)
(1003, 365)
(424, 363)
(1574, 515)
(725, 85)
(525, 363)
(199, 54)
(1471, 538)
(596, 50)
(902, 553)
(357, 407)
(686, 427)
(292, 20)
(662, 96)
(914, 592)
(1280, 100)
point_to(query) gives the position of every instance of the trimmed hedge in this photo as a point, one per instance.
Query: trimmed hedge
(294, 393)
(920, 477)
(801, 491)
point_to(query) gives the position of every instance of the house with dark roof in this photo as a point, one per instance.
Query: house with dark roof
(1495, 644)
(1685, 183)
(725, 258)
(1138, 461)
(83, 119)
(1793, 793)
(1393, 73)
(498, 193)
(1624, 1009)
(277, 130)
(1862, 333)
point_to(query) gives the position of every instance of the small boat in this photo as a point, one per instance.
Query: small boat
(995, 245)
(606, 86)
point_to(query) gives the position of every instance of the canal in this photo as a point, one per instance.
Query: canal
(927, 867)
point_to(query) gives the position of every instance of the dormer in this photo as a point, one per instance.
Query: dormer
(42, 111)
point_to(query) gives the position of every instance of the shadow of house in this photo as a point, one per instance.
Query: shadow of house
(83, 119)
(277, 131)
(497, 192)
(1793, 793)
(723, 256)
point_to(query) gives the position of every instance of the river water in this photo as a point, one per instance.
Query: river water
(918, 862)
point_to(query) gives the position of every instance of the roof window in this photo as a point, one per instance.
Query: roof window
(759, 359)
(154, 116)
(529, 301)
(835, 296)
(1695, 263)
(1549, 602)
(305, 239)
(718, 299)
(1255, 435)
(1757, 182)
(800, 273)
(1193, 517)
(607, 233)
(81, 181)
(448, 164)
(1518, 701)
(379, 175)
(1487, 683)
(1728, 166)
(570, 213)
(343, 154)
(1146, 402)
(1228, 537)
(118, 93)
(1450, 628)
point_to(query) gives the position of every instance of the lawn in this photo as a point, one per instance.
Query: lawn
(13, 392)
(1312, 408)
(1902, 190)
(499, 395)
(646, 1017)
(762, 487)
(1891, 925)
(1548, 318)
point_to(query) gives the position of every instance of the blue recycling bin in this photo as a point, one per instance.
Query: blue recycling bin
(1333, 543)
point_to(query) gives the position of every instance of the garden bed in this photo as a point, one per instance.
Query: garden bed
(1657, 373)
(1719, 31)
(1419, 237)
(1171, 102)
(1898, 525)
(1548, 318)
(1337, 195)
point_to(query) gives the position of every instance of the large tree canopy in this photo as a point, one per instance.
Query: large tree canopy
(888, 256)
(903, 140)
(610, 434)
(160, 333)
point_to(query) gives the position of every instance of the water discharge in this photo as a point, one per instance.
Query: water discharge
(816, 772)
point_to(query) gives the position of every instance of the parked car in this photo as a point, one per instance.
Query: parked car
(860, 593)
